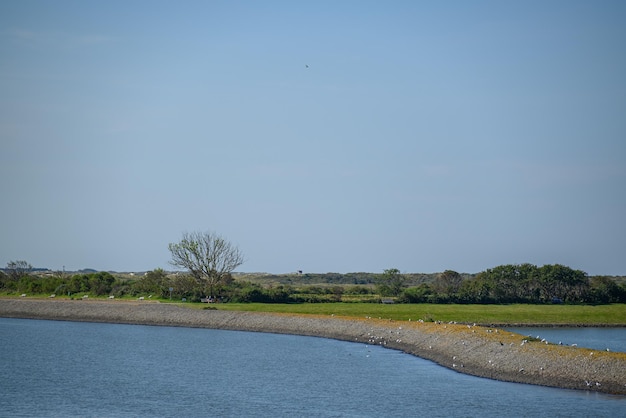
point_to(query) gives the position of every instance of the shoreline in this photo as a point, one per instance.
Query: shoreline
(484, 351)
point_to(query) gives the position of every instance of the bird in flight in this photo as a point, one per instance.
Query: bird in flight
(306, 65)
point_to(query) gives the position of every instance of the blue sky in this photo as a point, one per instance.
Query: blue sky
(326, 136)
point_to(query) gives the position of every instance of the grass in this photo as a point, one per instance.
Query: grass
(614, 314)
(589, 315)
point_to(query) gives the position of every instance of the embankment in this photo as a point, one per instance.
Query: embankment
(480, 351)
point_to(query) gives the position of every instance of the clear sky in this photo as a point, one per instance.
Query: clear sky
(326, 136)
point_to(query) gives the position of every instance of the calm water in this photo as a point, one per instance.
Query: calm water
(597, 338)
(71, 369)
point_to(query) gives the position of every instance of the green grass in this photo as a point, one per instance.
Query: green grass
(614, 314)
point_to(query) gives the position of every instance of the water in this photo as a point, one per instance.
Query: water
(72, 369)
(597, 338)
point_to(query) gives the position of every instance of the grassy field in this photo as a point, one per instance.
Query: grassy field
(614, 314)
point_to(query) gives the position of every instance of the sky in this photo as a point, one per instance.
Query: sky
(323, 136)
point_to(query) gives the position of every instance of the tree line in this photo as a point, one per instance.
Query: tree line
(208, 260)
(524, 283)
(519, 283)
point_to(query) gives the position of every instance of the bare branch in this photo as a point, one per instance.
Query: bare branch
(208, 256)
(18, 269)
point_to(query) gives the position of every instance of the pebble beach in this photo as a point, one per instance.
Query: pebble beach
(476, 350)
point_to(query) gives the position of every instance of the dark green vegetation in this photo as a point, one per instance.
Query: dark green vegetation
(507, 284)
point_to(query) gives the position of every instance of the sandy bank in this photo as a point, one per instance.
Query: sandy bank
(480, 351)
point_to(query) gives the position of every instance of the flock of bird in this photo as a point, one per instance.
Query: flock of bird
(382, 339)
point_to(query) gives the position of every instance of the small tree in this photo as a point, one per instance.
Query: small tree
(154, 281)
(209, 257)
(391, 283)
(448, 282)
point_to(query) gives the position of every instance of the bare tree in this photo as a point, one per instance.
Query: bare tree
(18, 269)
(208, 256)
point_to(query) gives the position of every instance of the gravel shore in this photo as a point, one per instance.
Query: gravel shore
(480, 351)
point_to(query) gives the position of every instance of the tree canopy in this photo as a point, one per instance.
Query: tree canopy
(391, 282)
